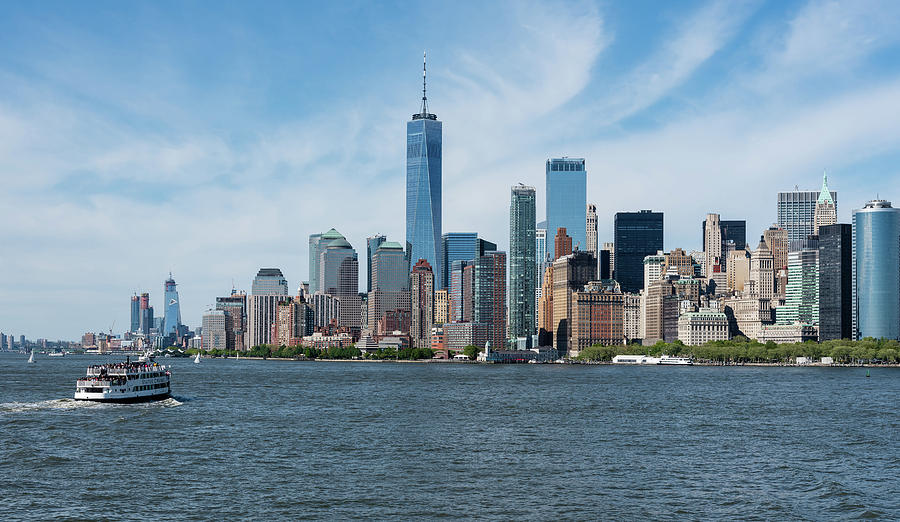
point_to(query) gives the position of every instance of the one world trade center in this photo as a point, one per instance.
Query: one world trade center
(423, 186)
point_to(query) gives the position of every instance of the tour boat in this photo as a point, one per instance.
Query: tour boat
(56, 354)
(124, 382)
(667, 359)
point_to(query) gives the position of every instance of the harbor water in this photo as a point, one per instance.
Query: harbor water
(288, 439)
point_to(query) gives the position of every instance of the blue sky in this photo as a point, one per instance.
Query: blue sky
(211, 139)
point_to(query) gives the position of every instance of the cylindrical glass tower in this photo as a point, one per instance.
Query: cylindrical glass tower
(876, 271)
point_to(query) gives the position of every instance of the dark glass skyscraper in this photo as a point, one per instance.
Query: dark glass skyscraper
(732, 230)
(461, 246)
(876, 271)
(835, 282)
(423, 186)
(522, 268)
(135, 314)
(637, 235)
(566, 185)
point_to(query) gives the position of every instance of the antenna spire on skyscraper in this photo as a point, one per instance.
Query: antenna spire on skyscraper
(424, 98)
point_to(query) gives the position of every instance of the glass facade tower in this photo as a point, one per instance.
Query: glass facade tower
(461, 246)
(637, 235)
(522, 267)
(172, 318)
(835, 281)
(876, 271)
(423, 186)
(797, 211)
(566, 185)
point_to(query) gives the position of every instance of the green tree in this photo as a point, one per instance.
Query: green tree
(471, 351)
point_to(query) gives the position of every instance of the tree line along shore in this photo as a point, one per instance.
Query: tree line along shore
(737, 350)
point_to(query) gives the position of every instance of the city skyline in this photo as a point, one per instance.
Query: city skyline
(120, 176)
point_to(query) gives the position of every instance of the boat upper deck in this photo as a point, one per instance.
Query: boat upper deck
(137, 369)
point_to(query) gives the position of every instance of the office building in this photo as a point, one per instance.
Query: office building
(706, 325)
(147, 319)
(339, 276)
(421, 289)
(796, 212)
(653, 268)
(540, 252)
(522, 267)
(566, 185)
(390, 282)
(172, 320)
(597, 316)
(570, 274)
(713, 246)
(317, 245)
(459, 335)
(135, 314)
(591, 223)
(801, 299)
(776, 239)
(461, 246)
(562, 243)
(326, 309)
(293, 321)
(731, 230)
(637, 235)
(268, 289)
(761, 277)
(234, 307)
(423, 187)
(661, 311)
(825, 212)
(545, 309)
(632, 318)
(835, 281)
(213, 336)
(372, 244)
(490, 296)
(738, 270)
(441, 306)
(876, 271)
(462, 291)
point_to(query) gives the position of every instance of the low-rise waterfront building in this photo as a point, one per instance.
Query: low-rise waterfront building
(788, 333)
(696, 328)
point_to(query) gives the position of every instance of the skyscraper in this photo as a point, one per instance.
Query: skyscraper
(490, 296)
(147, 320)
(562, 243)
(390, 282)
(235, 308)
(461, 246)
(777, 240)
(317, 244)
(462, 290)
(637, 235)
(796, 212)
(570, 273)
(269, 288)
(876, 271)
(423, 185)
(339, 276)
(762, 272)
(421, 290)
(835, 281)
(566, 185)
(826, 211)
(172, 318)
(213, 336)
(801, 299)
(522, 268)
(732, 230)
(713, 245)
(372, 244)
(591, 223)
(135, 314)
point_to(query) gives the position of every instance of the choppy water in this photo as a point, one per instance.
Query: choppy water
(278, 439)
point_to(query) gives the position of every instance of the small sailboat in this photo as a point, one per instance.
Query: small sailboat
(31, 357)
(237, 356)
(197, 359)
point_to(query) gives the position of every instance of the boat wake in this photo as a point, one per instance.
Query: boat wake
(54, 404)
